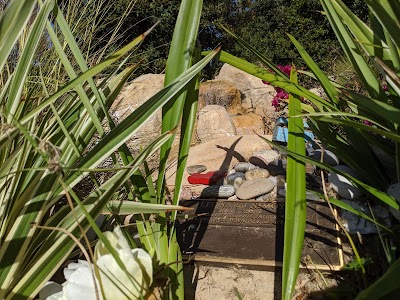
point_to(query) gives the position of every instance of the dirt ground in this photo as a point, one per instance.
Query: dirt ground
(204, 282)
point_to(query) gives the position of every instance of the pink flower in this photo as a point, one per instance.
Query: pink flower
(266, 82)
(275, 102)
(366, 122)
(286, 69)
(385, 87)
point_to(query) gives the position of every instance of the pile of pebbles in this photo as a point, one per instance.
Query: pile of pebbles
(262, 178)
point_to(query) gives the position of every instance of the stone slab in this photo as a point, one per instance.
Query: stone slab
(252, 231)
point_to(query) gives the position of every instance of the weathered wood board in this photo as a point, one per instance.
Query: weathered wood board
(252, 231)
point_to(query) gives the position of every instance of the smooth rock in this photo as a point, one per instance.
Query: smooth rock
(221, 154)
(256, 173)
(264, 157)
(232, 198)
(220, 92)
(249, 123)
(235, 179)
(277, 167)
(329, 157)
(253, 91)
(196, 169)
(215, 191)
(343, 187)
(209, 178)
(354, 223)
(309, 195)
(254, 188)
(271, 196)
(244, 167)
(214, 122)
(394, 191)
(310, 169)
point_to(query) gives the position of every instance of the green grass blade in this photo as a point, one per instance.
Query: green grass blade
(26, 59)
(179, 60)
(349, 208)
(385, 198)
(353, 52)
(131, 207)
(295, 208)
(12, 23)
(265, 60)
(386, 284)
(121, 133)
(274, 79)
(326, 84)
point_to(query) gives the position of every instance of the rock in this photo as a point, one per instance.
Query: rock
(254, 92)
(248, 124)
(209, 178)
(214, 122)
(256, 173)
(135, 94)
(220, 154)
(343, 187)
(277, 167)
(235, 179)
(278, 181)
(271, 196)
(329, 157)
(244, 167)
(354, 223)
(394, 191)
(215, 191)
(309, 195)
(310, 169)
(268, 155)
(196, 169)
(388, 162)
(254, 188)
(233, 198)
(220, 92)
(129, 99)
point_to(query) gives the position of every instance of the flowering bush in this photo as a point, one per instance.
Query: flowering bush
(280, 93)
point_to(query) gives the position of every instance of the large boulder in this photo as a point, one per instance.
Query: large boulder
(130, 98)
(255, 94)
(220, 154)
(248, 124)
(220, 92)
(214, 122)
(135, 94)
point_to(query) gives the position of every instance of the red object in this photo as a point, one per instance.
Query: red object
(209, 178)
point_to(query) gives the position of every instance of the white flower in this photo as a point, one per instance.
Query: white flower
(118, 284)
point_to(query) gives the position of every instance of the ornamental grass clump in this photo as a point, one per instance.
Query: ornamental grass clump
(44, 152)
(360, 126)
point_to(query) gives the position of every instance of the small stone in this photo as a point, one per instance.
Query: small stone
(267, 197)
(254, 188)
(277, 167)
(263, 158)
(215, 191)
(329, 157)
(196, 169)
(343, 187)
(310, 169)
(236, 179)
(232, 198)
(354, 223)
(394, 191)
(256, 173)
(309, 195)
(244, 167)
(209, 178)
